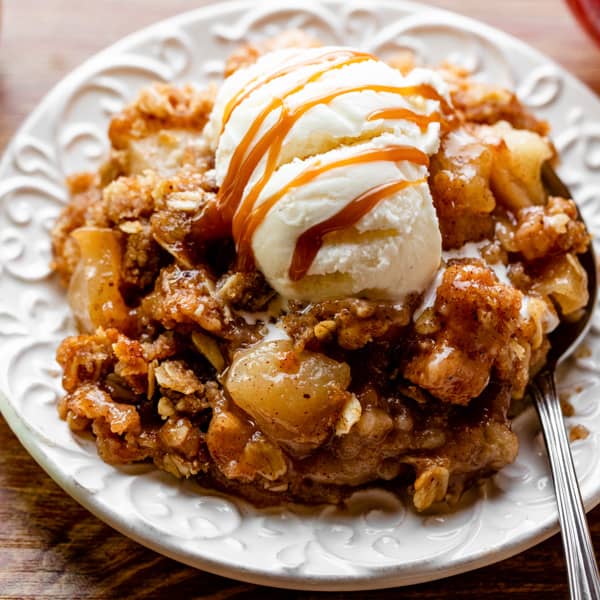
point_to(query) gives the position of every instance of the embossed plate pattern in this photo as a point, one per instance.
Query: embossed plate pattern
(375, 541)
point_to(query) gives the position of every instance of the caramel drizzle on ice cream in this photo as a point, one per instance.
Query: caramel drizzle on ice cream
(240, 211)
(335, 57)
(244, 161)
(345, 218)
(422, 121)
(311, 240)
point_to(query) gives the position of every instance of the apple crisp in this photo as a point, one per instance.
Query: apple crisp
(188, 357)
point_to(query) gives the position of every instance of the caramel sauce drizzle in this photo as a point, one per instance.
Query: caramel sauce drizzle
(310, 242)
(240, 212)
(241, 166)
(244, 162)
(334, 56)
(423, 121)
(255, 218)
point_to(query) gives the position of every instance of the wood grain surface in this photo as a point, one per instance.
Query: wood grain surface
(50, 547)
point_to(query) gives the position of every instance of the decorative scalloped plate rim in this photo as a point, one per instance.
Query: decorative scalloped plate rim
(302, 574)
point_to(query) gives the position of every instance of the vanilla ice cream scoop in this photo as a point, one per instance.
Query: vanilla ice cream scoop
(322, 162)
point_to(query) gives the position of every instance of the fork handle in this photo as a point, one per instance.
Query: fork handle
(582, 569)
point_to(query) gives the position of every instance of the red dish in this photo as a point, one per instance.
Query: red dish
(588, 15)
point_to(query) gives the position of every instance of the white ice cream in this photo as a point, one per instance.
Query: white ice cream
(393, 250)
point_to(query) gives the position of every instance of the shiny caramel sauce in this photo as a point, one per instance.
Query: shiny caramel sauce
(423, 121)
(310, 242)
(243, 162)
(239, 213)
(255, 218)
(271, 142)
(334, 57)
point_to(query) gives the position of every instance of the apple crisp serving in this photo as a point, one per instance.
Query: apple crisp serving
(219, 342)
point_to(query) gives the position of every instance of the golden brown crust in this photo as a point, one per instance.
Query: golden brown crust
(544, 231)
(476, 316)
(161, 107)
(248, 54)
(487, 103)
(460, 186)
(184, 297)
(351, 323)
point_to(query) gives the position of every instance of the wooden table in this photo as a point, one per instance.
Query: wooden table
(50, 547)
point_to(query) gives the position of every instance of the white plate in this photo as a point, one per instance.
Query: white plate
(376, 541)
